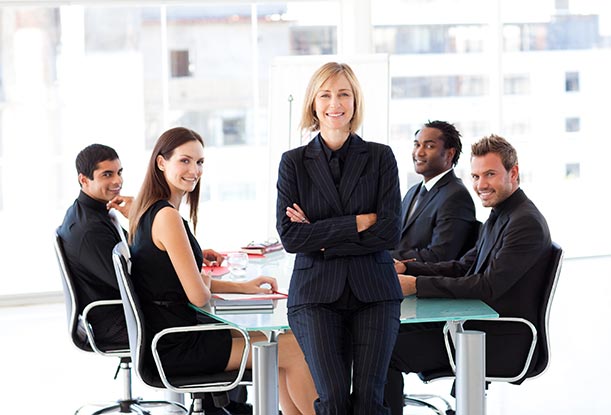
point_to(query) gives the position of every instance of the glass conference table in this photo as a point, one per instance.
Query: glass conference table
(470, 350)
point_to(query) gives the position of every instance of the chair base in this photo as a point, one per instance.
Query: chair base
(197, 405)
(134, 406)
(420, 400)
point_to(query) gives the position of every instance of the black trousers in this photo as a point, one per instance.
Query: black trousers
(346, 343)
(237, 394)
(419, 347)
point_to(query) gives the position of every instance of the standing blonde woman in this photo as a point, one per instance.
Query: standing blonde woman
(166, 269)
(338, 209)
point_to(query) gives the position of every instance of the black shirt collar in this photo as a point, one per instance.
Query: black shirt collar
(341, 152)
(91, 202)
(508, 204)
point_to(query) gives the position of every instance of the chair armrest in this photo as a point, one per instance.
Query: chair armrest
(202, 387)
(529, 357)
(89, 330)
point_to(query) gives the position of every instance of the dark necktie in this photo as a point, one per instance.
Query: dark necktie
(487, 238)
(335, 169)
(421, 194)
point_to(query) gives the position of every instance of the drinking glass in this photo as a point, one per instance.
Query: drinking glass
(237, 263)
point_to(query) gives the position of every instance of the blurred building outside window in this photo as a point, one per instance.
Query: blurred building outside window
(73, 74)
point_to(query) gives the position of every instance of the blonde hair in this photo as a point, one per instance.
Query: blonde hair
(309, 120)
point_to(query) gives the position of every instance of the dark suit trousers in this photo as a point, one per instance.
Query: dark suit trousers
(421, 347)
(344, 335)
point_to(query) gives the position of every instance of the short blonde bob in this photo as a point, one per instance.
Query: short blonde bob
(309, 120)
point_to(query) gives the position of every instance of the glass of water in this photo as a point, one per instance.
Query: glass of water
(237, 263)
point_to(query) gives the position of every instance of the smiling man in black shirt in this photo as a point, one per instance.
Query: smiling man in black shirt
(89, 235)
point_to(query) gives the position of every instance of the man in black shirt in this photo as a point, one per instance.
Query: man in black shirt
(89, 235)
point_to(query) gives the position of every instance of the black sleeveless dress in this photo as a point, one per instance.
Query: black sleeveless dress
(165, 304)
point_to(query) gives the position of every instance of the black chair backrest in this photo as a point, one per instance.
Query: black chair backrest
(70, 297)
(541, 359)
(133, 315)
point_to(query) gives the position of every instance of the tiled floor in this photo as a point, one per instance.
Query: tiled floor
(41, 371)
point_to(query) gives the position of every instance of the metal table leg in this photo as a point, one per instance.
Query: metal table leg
(470, 372)
(265, 377)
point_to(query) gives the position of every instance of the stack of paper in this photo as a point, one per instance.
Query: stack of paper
(261, 248)
(244, 302)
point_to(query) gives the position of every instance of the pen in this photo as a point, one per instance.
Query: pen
(279, 293)
(408, 260)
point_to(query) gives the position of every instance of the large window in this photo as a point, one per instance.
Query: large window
(439, 86)
(571, 83)
(72, 75)
(77, 72)
(516, 84)
(438, 38)
(180, 64)
(529, 71)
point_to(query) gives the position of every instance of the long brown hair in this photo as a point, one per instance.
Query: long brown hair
(155, 187)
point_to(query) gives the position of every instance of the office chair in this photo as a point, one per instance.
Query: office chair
(77, 324)
(156, 377)
(537, 358)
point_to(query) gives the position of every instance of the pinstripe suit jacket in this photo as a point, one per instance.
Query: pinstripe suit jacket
(330, 251)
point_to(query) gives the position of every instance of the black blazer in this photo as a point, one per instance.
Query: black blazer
(330, 251)
(512, 271)
(443, 226)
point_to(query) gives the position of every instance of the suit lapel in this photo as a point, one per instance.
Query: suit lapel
(488, 242)
(430, 196)
(407, 202)
(317, 167)
(353, 167)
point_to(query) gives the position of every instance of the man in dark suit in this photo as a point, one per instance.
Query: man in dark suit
(438, 214)
(505, 269)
